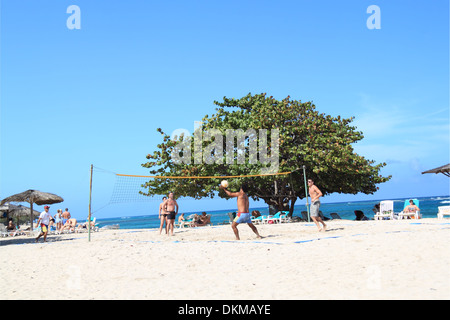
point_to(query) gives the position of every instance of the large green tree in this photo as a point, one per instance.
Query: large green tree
(305, 137)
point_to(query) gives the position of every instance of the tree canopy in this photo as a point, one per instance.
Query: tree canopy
(297, 134)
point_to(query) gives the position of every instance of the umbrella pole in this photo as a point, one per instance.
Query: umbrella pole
(90, 197)
(31, 215)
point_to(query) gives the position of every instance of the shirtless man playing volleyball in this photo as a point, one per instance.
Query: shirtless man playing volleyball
(243, 215)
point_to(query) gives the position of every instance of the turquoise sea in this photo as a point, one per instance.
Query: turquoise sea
(428, 206)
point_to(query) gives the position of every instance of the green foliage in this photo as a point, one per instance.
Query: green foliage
(306, 137)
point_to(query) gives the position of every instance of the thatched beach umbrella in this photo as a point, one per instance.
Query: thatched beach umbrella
(33, 196)
(445, 170)
(20, 211)
(5, 209)
(12, 210)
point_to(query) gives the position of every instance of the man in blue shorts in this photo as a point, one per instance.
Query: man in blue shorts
(243, 215)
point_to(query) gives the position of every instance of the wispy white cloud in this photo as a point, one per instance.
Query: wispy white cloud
(402, 131)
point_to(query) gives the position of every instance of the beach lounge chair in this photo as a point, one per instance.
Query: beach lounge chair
(82, 227)
(276, 218)
(322, 216)
(186, 222)
(3, 231)
(443, 211)
(386, 210)
(334, 216)
(414, 214)
(257, 220)
(16, 232)
(95, 227)
(304, 215)
(265, 218)
(284, 217)
(270, 219)
(359, 216)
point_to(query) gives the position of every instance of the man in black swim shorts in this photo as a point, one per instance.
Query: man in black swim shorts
(171, 206)
(171, 215)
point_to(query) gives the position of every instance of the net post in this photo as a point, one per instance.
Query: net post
(90, 198)
(306, 192)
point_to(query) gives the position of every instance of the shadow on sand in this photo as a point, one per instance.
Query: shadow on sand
(31, 240)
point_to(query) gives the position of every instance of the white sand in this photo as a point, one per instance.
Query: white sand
(353, 260)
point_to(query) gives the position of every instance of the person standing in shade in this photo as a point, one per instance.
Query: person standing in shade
(315, 195)
(243, 215)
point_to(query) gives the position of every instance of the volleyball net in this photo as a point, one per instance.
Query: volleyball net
(128, 188)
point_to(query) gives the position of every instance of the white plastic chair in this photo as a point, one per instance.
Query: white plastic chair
(386, 210)
(284, 217)
(3, 231)
(443, 211)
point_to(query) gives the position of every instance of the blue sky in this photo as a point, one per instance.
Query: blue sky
(95, 95)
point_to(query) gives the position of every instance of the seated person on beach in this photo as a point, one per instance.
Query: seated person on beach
(81, 226)
(13, 231)
(376, 208)
(256, 213)
(181, 218)
(411, 207)
(84, 225)
(70, 225)
(194, 220)
(67, 225)
(11, 226)
(203, 220)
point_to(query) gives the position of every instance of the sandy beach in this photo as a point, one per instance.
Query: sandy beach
(405, 259)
